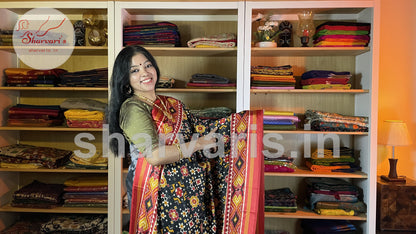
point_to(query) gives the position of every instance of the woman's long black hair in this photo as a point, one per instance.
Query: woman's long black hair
(121, 90)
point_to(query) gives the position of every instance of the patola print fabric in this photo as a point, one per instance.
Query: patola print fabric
(200, 194)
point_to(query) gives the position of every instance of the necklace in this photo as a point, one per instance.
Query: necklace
(149, 101)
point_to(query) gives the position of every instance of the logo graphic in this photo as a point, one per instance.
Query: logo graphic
(43, 38)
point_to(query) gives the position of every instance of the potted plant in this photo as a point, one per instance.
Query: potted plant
(266, 32)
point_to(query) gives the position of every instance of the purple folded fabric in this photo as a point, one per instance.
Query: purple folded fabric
(280, 117)
(273, 87)
(278, 122)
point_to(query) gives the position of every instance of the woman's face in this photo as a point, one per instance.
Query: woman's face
(143, 75)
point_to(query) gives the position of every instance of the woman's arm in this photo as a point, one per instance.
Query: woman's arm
(138, 126)
(173, 153)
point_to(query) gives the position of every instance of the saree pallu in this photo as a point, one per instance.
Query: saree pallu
(200, 194)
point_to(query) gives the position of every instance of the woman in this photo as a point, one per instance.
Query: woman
(180, 185)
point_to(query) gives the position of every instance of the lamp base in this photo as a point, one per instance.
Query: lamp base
(399, 179)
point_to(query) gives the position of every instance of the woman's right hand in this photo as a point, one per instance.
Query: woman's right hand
(208, 139)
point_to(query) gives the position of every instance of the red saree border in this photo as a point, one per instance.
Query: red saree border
(243, 197)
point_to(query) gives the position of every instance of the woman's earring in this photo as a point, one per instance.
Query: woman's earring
(128, 89)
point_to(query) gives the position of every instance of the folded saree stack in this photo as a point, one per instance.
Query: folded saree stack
(224, 40)
(344, 161)
(328, 226)
(79, 118)
(205, 80)
(326, 121)
(165, 82)
(325, 79)
(26, 77)
(76, 223)
(6, 37)
(280, 200)
(343, 34)
(163, 34)
(23, 115)
(334, 196)
(267, 77)
(29, 156)
(86, 191)
(59, 223)
(38, 195)
(279, 164)
(97, 162)
(212, 112)
(280, 120)
(87, 78)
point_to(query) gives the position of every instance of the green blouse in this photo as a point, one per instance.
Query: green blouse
(136, 118)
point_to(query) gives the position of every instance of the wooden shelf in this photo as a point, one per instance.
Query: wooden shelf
(160, 90)
(187, 51)
(55, 88)
(304, 172)
(309, 51)
(51, 129)
(77, 210)
(57, 170)
(196, 90)
(77, 50)
(307, 214)
(317, 91)
(315, 132)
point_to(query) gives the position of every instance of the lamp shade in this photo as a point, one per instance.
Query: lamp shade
(394, 133)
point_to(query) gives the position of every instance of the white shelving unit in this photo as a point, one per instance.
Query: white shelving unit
(361, 100)
(194, 20)
(82, 58)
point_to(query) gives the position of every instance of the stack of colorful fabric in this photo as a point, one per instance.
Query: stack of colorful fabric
(79, 223)
(26, 77)
(79, 118)
(86, 191)
(266, 77)
(26, 223)
(88, 78)
(324, 79)
(59, 223)
(84, 112)
(327, 226)
(224, 40)
(22, 115)
(326, 121)
(212, 112)
(6, 37)
(199, 80)
(38, 195)
(327, 162)
(279, 164)
(29, 156)
(97, 162)
(280, 120)
(334, 196)
(280, 200)
(165, 82)
(344, 34)
(155, 34)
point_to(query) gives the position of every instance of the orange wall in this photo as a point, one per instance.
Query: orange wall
(397, 81)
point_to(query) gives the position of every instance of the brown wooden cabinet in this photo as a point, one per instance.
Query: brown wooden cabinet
(396, 206)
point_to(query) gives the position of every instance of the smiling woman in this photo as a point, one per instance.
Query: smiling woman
(176, 167)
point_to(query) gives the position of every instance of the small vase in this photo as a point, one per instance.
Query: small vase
(266, 44)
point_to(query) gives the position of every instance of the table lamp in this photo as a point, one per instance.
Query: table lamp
(394, 133)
